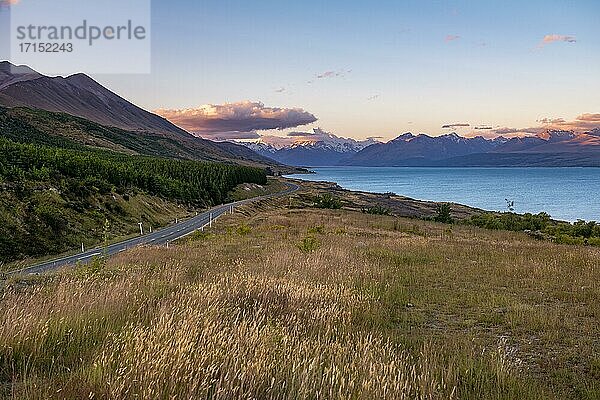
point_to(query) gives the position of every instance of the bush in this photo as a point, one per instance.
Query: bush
(243, 230)
(309, 244)
(317, 229)
(444, 214)
(377, 210)
(328, 201)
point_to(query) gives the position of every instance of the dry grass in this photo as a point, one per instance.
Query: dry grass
(375, 307)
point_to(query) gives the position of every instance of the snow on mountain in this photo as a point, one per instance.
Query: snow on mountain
(317, 148)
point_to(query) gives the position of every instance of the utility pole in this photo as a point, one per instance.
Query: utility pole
(82, 248)
(141, 228)
(210, 221)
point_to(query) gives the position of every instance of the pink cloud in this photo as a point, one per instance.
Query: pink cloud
(557, 38)
(582, 124)
(242, 118)
(450, 38)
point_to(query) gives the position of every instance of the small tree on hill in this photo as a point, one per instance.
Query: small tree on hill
(444, 214)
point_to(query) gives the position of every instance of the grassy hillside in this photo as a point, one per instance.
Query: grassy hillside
(53, 199)
(311, 304)
(27, 125)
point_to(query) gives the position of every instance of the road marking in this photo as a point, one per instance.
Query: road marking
(49, 265)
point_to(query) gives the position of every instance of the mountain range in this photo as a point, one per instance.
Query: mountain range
(552, 148)
(316, 148)
(80, 107)
(81, 110)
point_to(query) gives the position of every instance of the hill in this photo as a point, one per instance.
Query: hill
(60, 129)
(328, 304)
(53, 199)
(104, 116)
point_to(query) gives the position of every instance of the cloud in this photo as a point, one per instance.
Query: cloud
(582, 124)
(228, 136)
(485, 128)
(550, 121)
(518, 131)
(589, 117)
(332, 74)
(301, 134)
(374, 97)
(556, 38)
(280, 90)
(452, 126)
(8, 3)
(236, 118)
(450, 38)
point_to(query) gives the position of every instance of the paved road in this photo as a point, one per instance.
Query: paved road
(159, 237)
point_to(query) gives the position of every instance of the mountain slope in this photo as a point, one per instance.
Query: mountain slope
(77, 95)
(26, 125)
(80, 96)
(409, 149)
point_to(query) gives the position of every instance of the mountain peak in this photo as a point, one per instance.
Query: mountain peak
(556, 135)
(11, 74)
(404, 137)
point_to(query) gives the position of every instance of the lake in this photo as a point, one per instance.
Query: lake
(564, 193)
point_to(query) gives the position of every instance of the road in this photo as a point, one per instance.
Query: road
(156, 238)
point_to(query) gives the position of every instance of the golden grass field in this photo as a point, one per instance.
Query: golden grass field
(312, 304)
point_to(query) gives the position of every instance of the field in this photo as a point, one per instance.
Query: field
(291, 303)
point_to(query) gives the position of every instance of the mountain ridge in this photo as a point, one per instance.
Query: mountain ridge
(81, 96)
(567, 147)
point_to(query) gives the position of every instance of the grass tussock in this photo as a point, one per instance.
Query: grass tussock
(380, 308)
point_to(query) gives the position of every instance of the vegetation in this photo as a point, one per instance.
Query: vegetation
(53, 198)
(327, 201)
(383, 308)
(541, 226)
(377, 210)
(444, 214)
(251, 190)
(33, 126)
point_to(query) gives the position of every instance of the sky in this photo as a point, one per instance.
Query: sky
(370, 69)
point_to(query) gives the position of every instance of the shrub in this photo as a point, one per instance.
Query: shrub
(309, 244)
(443, 214)
(377, 210)
(317, 229)
(243, 230)
(328, 201)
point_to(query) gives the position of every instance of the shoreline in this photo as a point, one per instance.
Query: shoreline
(554, 209)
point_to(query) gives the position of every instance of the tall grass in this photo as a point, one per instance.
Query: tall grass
(374, 311)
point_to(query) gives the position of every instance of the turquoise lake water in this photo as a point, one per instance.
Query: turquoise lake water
(564, 193)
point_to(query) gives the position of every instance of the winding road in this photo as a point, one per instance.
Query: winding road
(156, 238)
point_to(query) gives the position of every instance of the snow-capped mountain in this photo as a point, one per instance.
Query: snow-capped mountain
(310, 149)
(319, 148)
(550, 148)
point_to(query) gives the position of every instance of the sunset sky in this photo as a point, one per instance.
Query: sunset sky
(367, 69)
